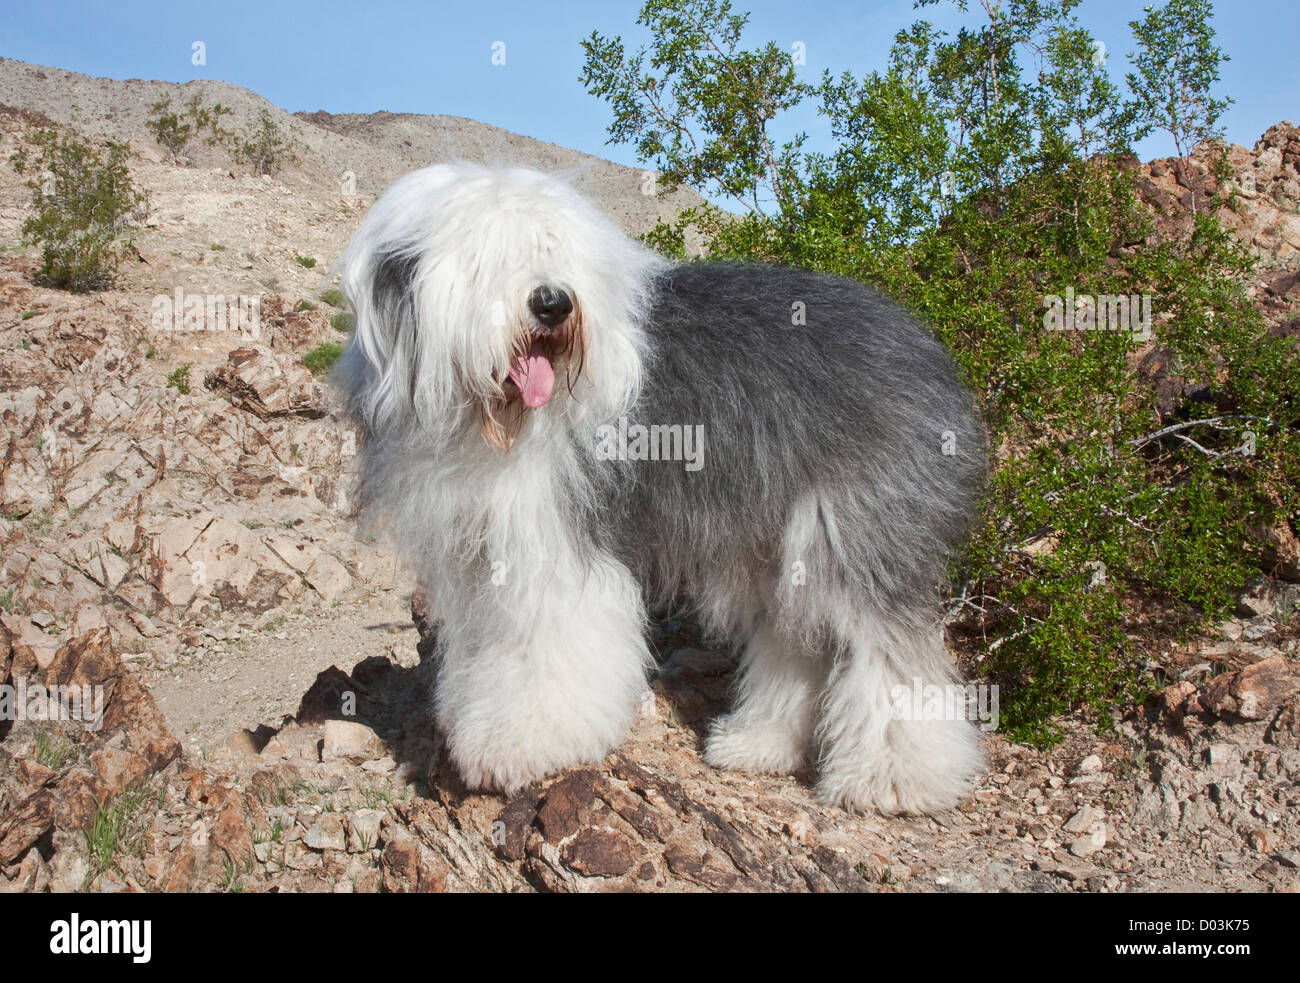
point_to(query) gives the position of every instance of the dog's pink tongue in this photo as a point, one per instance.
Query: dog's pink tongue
(534, 376)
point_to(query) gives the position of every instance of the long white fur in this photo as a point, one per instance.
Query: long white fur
(541, 650)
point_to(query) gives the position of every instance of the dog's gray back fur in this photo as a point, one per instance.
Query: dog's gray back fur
(854, 418)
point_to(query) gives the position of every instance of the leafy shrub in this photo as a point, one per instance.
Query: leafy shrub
(322, 358)
(333, 296)
(179, 379)
(85, 207)
(972, 178)
(174, 131)
(264, 147)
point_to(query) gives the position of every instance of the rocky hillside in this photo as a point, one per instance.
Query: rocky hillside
(174, 529)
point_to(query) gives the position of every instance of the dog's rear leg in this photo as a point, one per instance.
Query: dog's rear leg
(770, 729)
(873, 752)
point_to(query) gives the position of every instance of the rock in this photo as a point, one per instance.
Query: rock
(1089, 843)
(1257, 601)
(299, 856)
(258, 381)
(87, 617)
(1263, 687)
(327, 833)
(511, 828)
(1254, 691)
(347, 740)
(231, 832)
(363, 830)
(1223, 754)
(599, 853)
(22, 826)
(567, 805)
(1082, 820)
(328, 577)
(1173, 699)
(380, 766)
(69, 866)
(1091, 765)
(293, 742)
(409, 866)
(32, 876)
(802, 830)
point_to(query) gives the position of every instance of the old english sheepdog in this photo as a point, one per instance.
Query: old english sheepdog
(560, 428)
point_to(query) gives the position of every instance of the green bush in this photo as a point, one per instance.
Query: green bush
(174, 131)
(179, 379)
(333, 296)
(264, 147)
(343, 321)
(972, 178)
(85, 207)
(322, 358)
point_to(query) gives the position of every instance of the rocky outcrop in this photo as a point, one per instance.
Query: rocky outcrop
(352, 794)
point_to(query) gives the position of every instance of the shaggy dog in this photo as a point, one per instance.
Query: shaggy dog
(561, 427)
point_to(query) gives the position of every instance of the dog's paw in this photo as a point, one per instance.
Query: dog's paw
(921, 778)
(881, 793)
(768, 750)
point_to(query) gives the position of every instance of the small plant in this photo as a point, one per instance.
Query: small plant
(305, 305)
(174, 131)
(117, 829)
(306, 262)
(85, 207)
(230, 882)
(217, 247)
(264, 147)
(168, 128)
(179, 379)
(54, 750)
(28, 314)
(333, 296)
(343, 322)
(322, 358)
(39, 525)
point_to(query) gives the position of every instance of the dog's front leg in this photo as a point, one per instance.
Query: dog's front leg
(540, 675)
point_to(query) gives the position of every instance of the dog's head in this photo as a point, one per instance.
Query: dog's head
(489, 296)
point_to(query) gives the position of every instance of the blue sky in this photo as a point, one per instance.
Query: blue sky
(436, 57)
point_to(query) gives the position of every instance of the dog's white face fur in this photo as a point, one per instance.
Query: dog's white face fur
(440, 275)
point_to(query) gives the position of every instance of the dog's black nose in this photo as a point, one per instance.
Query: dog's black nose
(550, 305)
